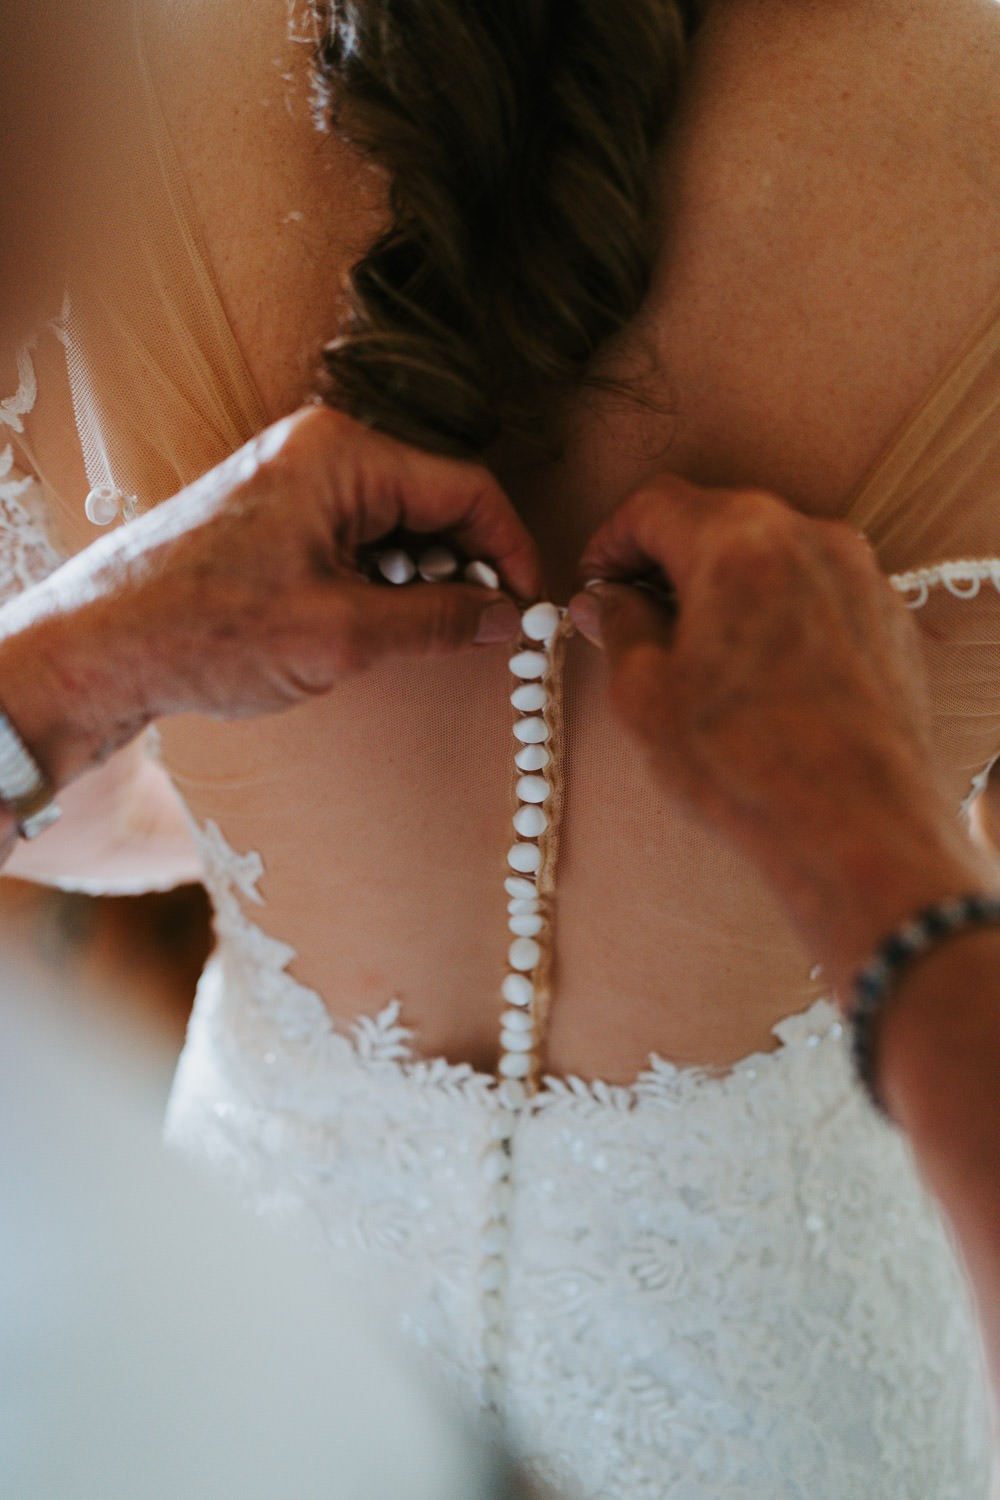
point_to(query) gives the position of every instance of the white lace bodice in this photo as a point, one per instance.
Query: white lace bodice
(717, 1285)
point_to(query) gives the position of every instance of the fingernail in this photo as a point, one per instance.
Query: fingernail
(595, 583)
(585, 612)
(498, 622)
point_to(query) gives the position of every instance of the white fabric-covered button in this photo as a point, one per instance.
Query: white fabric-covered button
(496, 1162)
(523, 890)
(495, 1237)
(517, 1041)
(103, 504)
(531, 731)
(520, 906)
(493, 1347)
(524, 857)
(515, 1065)
(532, 788)
(528, 925)
(492, 1306)
(512, 1094)
(540, 621)
(517, 989)
(523, 953)
(530, 822)
(396, 566)
(491, 1274)
(529, 698)
(493, 1391)
(529, 664)
(532, 758)
(516, 1020)
(503, 1195)
(435, 564)
(481, 573)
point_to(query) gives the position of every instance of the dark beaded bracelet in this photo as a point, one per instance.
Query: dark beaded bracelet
(872, 984)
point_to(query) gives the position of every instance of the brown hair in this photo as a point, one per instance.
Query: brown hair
(516, 136)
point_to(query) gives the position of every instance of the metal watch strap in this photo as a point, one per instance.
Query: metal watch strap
(24, 790)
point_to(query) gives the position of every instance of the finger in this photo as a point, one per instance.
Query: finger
(377, 484)
(422, 491)
(664, 525)
(618, 618)
(426, 619)
(467, 501)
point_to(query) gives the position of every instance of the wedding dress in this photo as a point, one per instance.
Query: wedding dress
(718, 1280)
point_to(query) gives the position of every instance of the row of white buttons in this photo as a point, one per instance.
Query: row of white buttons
(526, 919)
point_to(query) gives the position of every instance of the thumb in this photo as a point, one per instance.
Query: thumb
(428, 619)
(617, 616)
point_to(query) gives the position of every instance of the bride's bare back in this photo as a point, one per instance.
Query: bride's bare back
(830, 198)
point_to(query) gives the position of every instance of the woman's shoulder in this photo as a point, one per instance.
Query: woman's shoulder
(832, 196)
(282, 206)
(931, 64)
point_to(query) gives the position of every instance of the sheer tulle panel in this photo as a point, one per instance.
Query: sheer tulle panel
(387, 879)
(935, 494)
(160, 388)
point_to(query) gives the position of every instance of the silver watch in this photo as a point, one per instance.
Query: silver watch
(24, 790)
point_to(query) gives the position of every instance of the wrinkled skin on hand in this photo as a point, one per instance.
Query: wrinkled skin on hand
(779, 694)
(785, 649)
(256, 562)
(781, 698)
(241, 595)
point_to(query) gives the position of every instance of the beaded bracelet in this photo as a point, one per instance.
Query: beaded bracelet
(872, 984)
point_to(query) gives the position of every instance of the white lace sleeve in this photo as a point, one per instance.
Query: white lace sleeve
(27, 550)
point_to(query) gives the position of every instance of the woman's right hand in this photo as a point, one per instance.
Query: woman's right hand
(780, 696)
(241, 594)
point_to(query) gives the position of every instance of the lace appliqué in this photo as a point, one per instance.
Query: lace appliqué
(381, 1039)
(26, 552)
(962, 578)
(13, 408)
(718, 1285)
(298, 1011)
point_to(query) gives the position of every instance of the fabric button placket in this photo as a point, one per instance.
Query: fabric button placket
(536, 667)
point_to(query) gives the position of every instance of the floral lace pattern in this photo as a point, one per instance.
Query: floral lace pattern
(718, 1285)
(26, 552)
